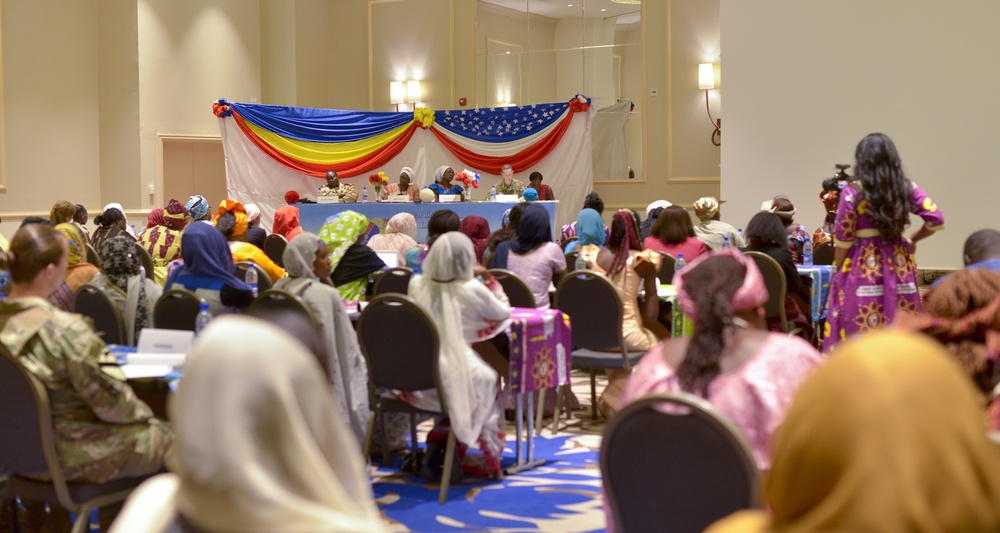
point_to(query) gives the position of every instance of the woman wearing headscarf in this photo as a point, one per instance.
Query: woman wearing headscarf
(153, 219)
(286, 222)
(532, 255)
(593, 201)
(197, 205)
(78, 272)
(731, 356)
(255, 233)
(62, 211)
(477, 229)
(163, 242)
(590, 236)
(110, 224)
(465, 312)
(398, 236)
(442, 183)
(441, 222)
(128, 227)
(711, 230)
(653, 211)
(508, 227)
(351, 261)
(308, 266)
(887, 436)
(120, 279)
(208, 270)
(403, 187)
(796, 234)
(288, 462)
(232, 220)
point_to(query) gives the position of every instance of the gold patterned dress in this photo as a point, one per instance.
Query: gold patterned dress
(628, 282)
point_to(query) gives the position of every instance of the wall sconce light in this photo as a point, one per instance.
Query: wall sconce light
(396, 93)
(413, 92)
(405, 92)
(706, 82)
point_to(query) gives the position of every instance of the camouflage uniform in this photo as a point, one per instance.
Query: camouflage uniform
(516, 187)
(346, 192)
(102, 431)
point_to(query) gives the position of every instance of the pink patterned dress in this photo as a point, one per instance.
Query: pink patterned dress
(879, 277)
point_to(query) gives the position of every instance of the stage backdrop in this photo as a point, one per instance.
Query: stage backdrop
(272, 149)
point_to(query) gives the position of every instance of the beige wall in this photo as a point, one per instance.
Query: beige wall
(793, 111)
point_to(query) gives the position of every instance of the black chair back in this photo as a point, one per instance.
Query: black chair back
(146, 259)
(666, 273)
(703, 470)
(595, 309)
(406, 359)
(92, 256)
(274, 248)
(263, 279)
(823, 254)
(567, 241)
(774, 280)
(516, 289)
(90, 302)
(571, 258)
(176, 309)
(22, 441)
(488, 258)
(279, 300)
(395, 280)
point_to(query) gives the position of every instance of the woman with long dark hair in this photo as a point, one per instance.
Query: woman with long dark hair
(876, 272)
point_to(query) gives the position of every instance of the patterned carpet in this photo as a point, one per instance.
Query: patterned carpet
(562, 495)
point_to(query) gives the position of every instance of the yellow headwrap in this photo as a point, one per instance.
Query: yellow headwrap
(74, 240)
(236, 208)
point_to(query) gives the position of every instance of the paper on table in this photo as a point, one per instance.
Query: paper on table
(146, 371)
(507, 198)
(157, 359)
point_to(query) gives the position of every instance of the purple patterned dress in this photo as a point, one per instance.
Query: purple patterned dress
(879, 277)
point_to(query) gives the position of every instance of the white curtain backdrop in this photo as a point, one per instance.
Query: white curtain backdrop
(610, 135)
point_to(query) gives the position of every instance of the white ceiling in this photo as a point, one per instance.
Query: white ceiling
(559, 9)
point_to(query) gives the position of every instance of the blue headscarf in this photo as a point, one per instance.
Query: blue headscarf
(530, 194)
(589, 229)
(207, 260)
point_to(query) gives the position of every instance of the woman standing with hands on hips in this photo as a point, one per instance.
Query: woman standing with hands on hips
(876, 274)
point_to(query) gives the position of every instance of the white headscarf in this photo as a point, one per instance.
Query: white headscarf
(465, 311)
(128, 227)
(261, 446)
(408, 171)
(253, 213)
(300, 255)
(439, 173)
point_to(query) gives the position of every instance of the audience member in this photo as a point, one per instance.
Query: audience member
(128, 227)
(532, 255)
(78, 271)
(102, 432)
(286, 222)
(796, 235)
(653, 211)
(403, 187)
(530, 194)
(34, 220)
(398, 236)
(508, 183)
(110, 224)
(345, 192)
(887, 436)
(255, 233)
(981, 251)
(153, 219)
(711, 230)
(308, 266)
(465, 312)
(592, 201)
(590, 236)
(673, 234)
(288, 463)
(130, 291)
(350, 260)
(477, 229)
(630, 269)
(197, 205)
(730, 358)
(62, 212)
(766, 234)
(545, 193)
(163, 242)
(80, 219)
(441, 222)
(508, 227)
(231, 219)
(875, 272)
(208, 270)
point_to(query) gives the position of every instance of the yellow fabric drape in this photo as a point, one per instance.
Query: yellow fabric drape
(327, 153)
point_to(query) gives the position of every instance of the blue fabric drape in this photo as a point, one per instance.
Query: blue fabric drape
(320, 125)
(500, 124)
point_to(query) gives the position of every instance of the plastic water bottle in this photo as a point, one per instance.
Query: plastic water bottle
(142, 272)
(807, 253)
(580, 264)
(251, 279)
(725, 243)
(678, 266)
(364, 194)
(204, 315)
(493, 193)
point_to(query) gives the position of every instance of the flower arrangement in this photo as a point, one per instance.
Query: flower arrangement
(377, 181)
(469, 178)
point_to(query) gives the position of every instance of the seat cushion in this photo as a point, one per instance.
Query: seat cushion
(584, 358)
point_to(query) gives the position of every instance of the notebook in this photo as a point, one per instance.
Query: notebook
(389, 257)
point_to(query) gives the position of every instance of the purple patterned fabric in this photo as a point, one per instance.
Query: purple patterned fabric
(540, 345)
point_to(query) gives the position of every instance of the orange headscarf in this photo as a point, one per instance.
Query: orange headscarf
(236, 208)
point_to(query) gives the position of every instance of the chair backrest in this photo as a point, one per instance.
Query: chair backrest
(27, 442)
(595, 310)
(488, 258)
(92, 256)
(516, 289)
(279, 300)
(176, 309)
(395, 280)
(400, 342)
(90, 302)
(567, 241)
(571, 258)
(823, 254)
(774, 280)
(263, 279)
(686, 465)
(666, 273)
(146, 259)
(274, 248)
